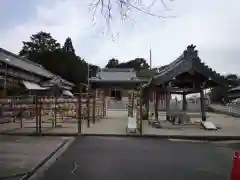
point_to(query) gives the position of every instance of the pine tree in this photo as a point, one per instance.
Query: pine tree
(68, 46)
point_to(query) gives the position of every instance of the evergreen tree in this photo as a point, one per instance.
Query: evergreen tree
(68, 46)
(39, 43)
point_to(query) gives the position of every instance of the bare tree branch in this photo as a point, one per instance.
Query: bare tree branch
(164, 5)
(108, 8)
(143, 10)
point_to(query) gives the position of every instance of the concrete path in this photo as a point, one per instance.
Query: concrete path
(115, 123)
(20, 155)
(106, 158)
(229, 126)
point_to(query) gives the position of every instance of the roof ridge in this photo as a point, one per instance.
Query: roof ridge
(210, 69)
(169, 66)
(117, 70)
(51, 75)
(187, 61)
(26, 60)
(20, 57)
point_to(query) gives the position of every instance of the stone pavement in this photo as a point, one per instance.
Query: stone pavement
(20, 155)
(229, 126)
(116, 122)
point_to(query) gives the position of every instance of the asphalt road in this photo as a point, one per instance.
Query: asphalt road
(106, 158)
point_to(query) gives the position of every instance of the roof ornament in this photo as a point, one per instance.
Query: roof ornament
(202, 86)
(170, 84)
(190, 53)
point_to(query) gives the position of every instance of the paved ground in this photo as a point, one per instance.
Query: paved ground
(116, 123)
(19, 155)
(106, 158)
(230, 126)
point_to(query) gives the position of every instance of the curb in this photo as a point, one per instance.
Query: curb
(203, 138)
(13, 176)
(232, 114)
(42, 163)
(184, 137)
(39, 134)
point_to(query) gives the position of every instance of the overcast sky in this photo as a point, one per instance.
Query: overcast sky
(212, 25)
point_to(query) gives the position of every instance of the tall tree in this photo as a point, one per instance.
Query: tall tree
(40, 42)
(68, 46)
(93, 69)
(112, 63)
(136, 64)
(232, 77)
(45, 50)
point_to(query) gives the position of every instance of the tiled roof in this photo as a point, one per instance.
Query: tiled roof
(235, 89)
(118, 70)
(22, 63)
(187, 61)
(115, 75)
(111, 77)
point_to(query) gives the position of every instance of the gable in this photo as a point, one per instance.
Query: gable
(188, 62)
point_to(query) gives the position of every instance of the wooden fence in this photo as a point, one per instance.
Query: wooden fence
(41, 109)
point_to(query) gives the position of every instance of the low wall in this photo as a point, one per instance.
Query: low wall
(230, 109)
(192, 107)
(121, 105)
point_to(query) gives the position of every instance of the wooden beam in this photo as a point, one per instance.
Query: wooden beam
(178, 90)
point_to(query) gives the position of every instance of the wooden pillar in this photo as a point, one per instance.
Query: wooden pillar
(80, 110)
(104, 104)
(2, 93)
(94, 106)
(156, 103)
(5, 94)
(40, 117)
(167, 102)
(100, 105)
(146, 115)
(37, 113)
(130, 104)
(55, 110)
(202, 105)
(21, 117)
(88, 108)
(162, 100)
(133, 104)
(141, 113)
(184, 102)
